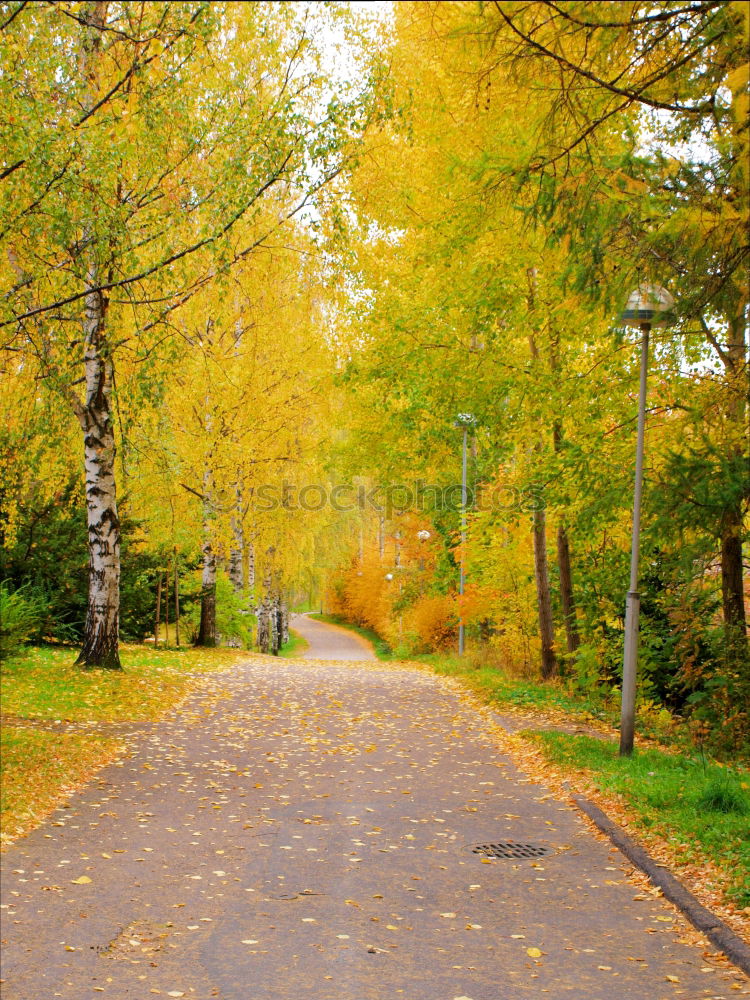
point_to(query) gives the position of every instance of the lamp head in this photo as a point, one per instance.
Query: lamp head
(648, 304)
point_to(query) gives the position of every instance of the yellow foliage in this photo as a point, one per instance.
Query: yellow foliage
(435, 620)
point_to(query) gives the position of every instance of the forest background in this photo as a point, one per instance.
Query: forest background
(259, 258)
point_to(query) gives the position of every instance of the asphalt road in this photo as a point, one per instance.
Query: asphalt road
(330, 642)
(303, 829)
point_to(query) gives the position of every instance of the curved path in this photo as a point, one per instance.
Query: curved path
(305, 829)
(330, 642)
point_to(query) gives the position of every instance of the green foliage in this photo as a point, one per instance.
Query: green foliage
(295, 646)
(22, 613)
(235, 624)
(723, 795)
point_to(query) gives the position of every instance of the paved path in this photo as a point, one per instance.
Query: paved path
(330, 642)
(303, 829)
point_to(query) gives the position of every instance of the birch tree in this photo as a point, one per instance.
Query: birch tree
(137, 136)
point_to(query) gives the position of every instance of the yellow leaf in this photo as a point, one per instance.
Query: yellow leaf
(533, 953)
(672, 979)
(83, 880)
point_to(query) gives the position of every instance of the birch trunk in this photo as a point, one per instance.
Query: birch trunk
(236, 569)
(274, 620)
(101, 634)
(207, 632)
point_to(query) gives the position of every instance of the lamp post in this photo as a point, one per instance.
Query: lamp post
(424, 536)
(464, 421)
(647, 306)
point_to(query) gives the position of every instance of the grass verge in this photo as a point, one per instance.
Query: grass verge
(296, 645)
(40, 688)
(699, 808)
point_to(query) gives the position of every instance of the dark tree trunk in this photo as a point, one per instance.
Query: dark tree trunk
(157, 616)
(732, 583)
(541, 570)
(176, 601)
(732, 589)
(566, 590)
(544, 603)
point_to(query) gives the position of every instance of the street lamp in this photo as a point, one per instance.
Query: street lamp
(464, 421)
(647, 306)
(424, 536)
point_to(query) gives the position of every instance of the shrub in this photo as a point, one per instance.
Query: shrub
(723, 795)
(435, 621)
(22, 614)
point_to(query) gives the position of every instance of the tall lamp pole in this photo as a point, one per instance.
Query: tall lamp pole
(647, 306)
(464, 421)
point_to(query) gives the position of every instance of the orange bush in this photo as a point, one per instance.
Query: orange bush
(435, 622)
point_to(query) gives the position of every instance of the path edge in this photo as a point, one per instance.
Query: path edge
(714, 928)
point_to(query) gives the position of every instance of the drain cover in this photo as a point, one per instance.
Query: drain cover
(510, 849)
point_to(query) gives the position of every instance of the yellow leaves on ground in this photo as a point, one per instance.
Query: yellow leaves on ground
(49, 698)
(83, 880)
(533, 952)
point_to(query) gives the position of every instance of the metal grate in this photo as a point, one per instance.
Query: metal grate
(510, 849)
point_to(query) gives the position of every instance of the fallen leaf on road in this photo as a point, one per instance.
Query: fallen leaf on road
(533, 953)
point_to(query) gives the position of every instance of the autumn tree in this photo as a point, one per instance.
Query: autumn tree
(136, 137)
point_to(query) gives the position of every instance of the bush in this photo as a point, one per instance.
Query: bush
(435, 622)
(234, 621)
(22, 615)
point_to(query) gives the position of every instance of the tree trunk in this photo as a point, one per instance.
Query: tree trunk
(544, 603)
(266, 616)
(101, 633)
(264, 625)
(157, 617)
(566, 589)
(732, 589)
(236, 569)
(539, 531)
(250, 547)
(284, 623)
(176, 601)
(207, 632)
(166, 605)
(273, 619)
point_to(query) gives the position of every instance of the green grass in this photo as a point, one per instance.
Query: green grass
(41, 685)
(503, 690)
(296, 645)
(700, 808)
